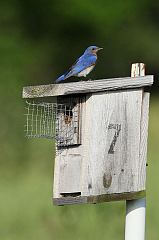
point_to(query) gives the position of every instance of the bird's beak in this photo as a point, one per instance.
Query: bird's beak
(99, 49)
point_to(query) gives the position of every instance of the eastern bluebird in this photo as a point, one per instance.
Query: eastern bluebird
(83, 65)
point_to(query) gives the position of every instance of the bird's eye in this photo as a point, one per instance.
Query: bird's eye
(93, 48)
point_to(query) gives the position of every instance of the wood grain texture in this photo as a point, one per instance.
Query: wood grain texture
(68, 163)
(98, 199)
(143, 140)
(110, 163)
(67, 171)
(112, 119)
(86, 86)
(70, 174)
(138, 70)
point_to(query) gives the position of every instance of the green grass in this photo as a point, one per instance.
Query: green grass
(26, 210)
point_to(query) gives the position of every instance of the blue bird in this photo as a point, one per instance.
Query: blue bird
(83, 65)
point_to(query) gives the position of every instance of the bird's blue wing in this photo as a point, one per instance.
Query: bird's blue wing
(68, 73)
(82, 63)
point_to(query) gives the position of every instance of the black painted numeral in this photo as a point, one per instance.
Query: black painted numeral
(117, 128)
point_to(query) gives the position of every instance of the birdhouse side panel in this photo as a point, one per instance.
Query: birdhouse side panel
(143, 140)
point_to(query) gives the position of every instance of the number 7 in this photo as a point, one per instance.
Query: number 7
(117, 128)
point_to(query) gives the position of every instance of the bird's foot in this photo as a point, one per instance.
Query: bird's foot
(88, 80)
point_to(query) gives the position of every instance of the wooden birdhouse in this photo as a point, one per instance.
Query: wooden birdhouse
(100, 130)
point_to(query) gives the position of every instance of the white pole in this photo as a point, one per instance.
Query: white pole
(135, 219)
(136, 209)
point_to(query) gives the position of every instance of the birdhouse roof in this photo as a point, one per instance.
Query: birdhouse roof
(83, 87)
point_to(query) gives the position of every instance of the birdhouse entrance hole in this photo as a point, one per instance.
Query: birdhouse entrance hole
(59, 121)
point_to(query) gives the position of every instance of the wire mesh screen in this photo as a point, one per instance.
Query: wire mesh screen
(53, 121)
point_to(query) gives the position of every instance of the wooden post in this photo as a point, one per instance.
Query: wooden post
(138, 70)
(136, 209)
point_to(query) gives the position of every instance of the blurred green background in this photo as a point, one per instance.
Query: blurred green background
(39, 40)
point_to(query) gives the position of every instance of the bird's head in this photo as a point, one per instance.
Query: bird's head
(92, 49)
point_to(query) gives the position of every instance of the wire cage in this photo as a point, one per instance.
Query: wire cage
(53, 121)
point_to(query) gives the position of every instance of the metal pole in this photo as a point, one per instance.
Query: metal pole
(136, 209)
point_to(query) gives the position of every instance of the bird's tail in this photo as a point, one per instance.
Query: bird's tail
(61, 78)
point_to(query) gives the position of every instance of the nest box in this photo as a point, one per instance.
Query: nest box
(100, 130)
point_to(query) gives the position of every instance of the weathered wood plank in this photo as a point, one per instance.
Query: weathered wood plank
(143, 139)
(86, 86)
(138, 69)
(66, 167)
(67, 171)
(69, 200)
(98, 199)
(111, 142)
(70, 174)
